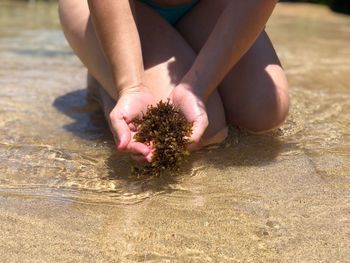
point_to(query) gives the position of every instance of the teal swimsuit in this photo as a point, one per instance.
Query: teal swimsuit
(171, 14)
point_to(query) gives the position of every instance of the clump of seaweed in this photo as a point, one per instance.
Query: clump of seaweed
(165, 128)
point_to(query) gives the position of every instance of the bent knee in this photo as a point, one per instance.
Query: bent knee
(269, 114)
(73, 16)
(264, 113)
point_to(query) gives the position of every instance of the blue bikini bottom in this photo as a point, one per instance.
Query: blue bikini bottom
(171, 14)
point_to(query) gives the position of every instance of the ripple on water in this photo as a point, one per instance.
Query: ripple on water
(47, 172)
(318, 121)
(89, 172)
(97, 176)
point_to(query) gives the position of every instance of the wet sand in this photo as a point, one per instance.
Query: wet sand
(66, 196)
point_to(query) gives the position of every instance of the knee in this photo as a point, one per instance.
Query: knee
(263, 112)
(65, 13)
(268, 113)
(66, 18)
(73, 16)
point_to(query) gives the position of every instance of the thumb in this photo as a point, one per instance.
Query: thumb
(121, 129)
(199, 127)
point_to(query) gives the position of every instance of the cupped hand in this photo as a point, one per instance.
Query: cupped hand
(130, 105)
(193, 107)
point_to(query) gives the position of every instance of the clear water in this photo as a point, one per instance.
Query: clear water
(65, 195)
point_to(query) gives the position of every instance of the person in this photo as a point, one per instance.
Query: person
(212, 59)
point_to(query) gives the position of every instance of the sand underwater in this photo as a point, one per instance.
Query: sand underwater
(65, 195)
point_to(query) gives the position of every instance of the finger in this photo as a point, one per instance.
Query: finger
(141, 158)
(121, 129)
(132, 127)
(149, 157)
(199, 127)
(138, 148)
(194, 147)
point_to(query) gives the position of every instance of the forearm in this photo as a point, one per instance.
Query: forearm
(117, 32)
(234, 33)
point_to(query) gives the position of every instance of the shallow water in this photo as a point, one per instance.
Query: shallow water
(65, 195)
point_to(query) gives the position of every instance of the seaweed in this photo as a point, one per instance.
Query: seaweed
(166, 130)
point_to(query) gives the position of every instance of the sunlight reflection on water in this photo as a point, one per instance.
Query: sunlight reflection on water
(56, 147)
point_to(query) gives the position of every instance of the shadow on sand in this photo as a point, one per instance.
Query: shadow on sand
(239, 149)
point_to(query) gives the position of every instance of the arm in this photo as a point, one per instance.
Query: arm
(116, 30)
(235, 31)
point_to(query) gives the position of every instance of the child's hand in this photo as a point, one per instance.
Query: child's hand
(130, 105)
(194, 110)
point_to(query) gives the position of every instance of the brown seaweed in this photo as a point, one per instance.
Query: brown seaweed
(165, 128)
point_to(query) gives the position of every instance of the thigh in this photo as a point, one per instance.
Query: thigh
(166, 55)
(255, 91)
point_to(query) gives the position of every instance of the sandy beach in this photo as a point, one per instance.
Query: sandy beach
(67, 196)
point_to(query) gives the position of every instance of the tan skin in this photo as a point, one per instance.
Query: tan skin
(217, 64)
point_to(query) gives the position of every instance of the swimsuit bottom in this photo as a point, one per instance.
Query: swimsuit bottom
(171, 14)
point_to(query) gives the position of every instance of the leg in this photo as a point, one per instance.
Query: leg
(167, 57)
(255, 92)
